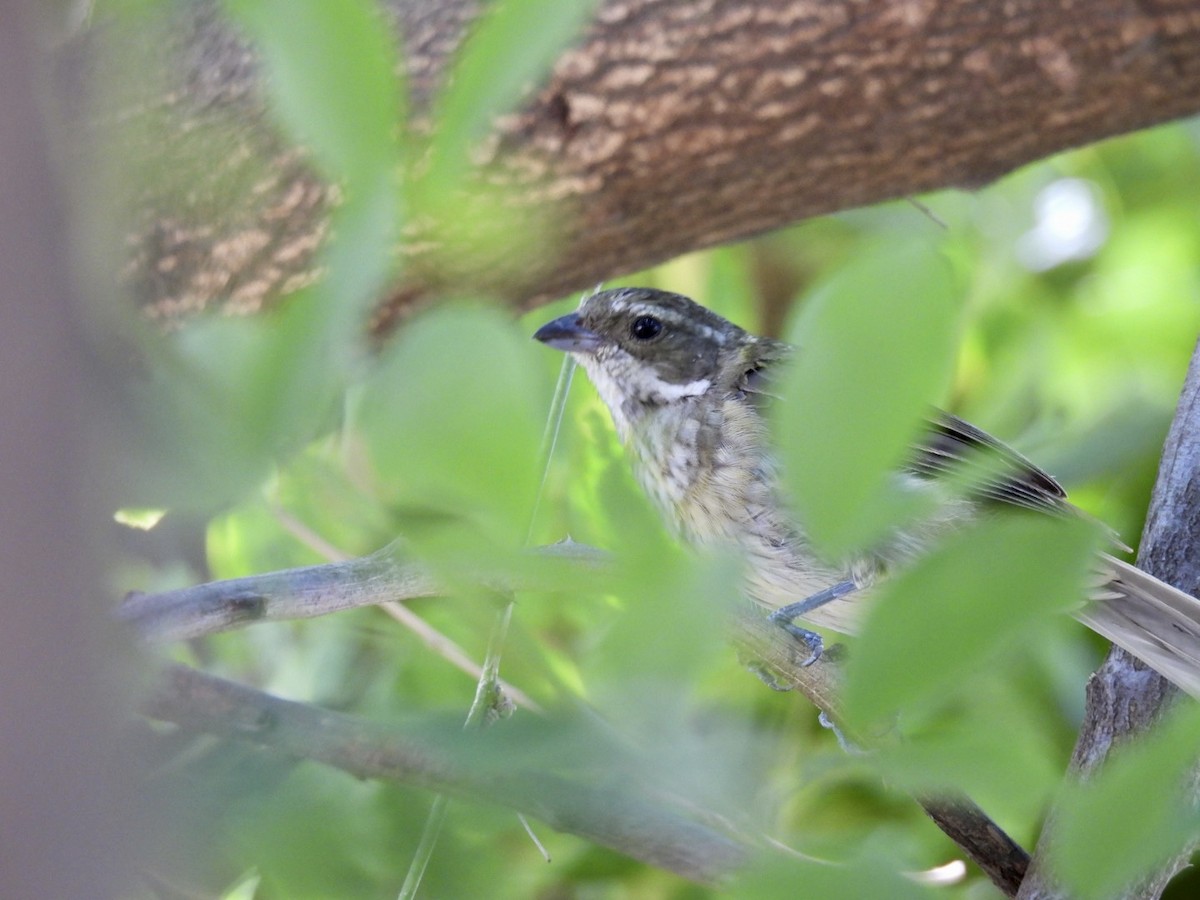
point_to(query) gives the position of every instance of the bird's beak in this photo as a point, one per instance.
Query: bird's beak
(568, 333)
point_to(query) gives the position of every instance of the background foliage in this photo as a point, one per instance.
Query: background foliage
(1057, 309)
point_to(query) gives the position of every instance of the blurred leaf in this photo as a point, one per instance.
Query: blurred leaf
(452, 421)
(332, 71)
(1137, 812)
(672, 621)
(319, 833)
(867, 876)
(249, 538)
(141, 519)
(875, 347)
(481, 227)
(333, 75)
(244, 889)
(951, 612)
(1131, 433)
(221, 400)
(988, 745)
(507, 52)
(729, 284)
(226, 398)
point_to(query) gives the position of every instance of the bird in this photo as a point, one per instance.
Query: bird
(688, 392)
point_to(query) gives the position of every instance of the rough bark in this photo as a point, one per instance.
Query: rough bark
(1124, 697)
(671, 125)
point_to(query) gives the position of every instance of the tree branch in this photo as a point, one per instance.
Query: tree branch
(669, 126)
(312, 591)
(619, 813)
(977, 835)
(1125, 698)
(198, 702)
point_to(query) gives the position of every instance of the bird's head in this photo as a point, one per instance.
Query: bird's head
(646, 349)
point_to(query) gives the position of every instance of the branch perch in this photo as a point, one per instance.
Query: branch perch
(303, 593)
(624, 816)
(981, 839)
(203, 703)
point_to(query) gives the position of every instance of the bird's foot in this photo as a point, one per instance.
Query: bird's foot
(785, 617)
(810, 639)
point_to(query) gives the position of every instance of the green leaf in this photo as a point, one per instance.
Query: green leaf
(867, 876)
(478, 224)
(990, 746)
(331, 71)
(226, 398)
(332, 74)
(453, 417)
(221, 401)
(245, 888)
(952, 611)
(671, 626)
(301, 852)
(510, 47)
(875, 349)
(1137, 813)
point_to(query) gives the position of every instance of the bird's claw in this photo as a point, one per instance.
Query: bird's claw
(810, 639)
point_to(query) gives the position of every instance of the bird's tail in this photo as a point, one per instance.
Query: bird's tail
(1157, 623)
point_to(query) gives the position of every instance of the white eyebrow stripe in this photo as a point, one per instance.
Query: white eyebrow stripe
(707, 331)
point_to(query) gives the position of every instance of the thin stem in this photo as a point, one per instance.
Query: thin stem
(490, 702)
(448, 650)
(433, 639)
(558, 405)
(489, 694)
(533, 837)
(424, 851)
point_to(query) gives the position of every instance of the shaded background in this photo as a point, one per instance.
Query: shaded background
(255, 444)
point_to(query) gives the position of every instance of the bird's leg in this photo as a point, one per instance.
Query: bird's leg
(784, 616)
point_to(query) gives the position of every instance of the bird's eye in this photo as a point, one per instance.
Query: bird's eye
(645, 328)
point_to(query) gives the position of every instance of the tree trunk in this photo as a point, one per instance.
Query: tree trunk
(669, 126)
(1124, 697)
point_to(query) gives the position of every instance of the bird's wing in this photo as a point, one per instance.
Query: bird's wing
(949, 447)
(757, 368)
(994, 470)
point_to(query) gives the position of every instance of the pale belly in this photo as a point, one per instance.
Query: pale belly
(732, 503)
